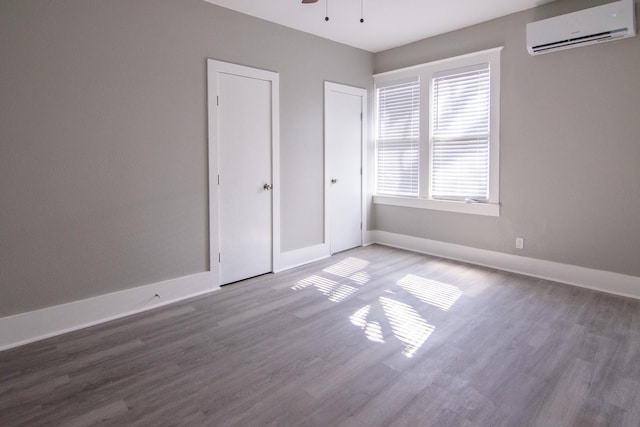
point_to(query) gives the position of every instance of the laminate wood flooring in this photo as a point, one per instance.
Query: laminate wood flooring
(374, 336)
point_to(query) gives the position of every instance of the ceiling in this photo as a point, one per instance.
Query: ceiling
(388, 23)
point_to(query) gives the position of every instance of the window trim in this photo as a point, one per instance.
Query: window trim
(424, 73)
(488, 209)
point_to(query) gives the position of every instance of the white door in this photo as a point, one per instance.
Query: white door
(243, 152)
(344, 114)
(244, 131)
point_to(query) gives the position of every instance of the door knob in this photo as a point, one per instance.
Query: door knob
(267, 187)
(334, 180)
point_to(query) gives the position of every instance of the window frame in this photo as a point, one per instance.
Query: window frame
(424, 73)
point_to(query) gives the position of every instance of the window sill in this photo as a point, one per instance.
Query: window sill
(488, 209)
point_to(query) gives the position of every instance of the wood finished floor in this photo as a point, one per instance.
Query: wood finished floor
(371, 337)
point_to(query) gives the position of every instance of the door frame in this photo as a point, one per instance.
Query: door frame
(214, 67)
(362, 93)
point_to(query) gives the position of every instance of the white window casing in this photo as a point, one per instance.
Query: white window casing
(458, 115)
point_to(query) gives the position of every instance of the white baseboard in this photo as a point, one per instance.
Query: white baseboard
(302, 256)
(35, 325)
(599, 280)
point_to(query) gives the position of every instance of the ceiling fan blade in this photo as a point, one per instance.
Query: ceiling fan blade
(309, 1)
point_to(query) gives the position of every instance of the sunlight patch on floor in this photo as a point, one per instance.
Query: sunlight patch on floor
(347, 267)
(361, 277)
(429, 291)
(407, 325)
(372, 329)
(333, 290)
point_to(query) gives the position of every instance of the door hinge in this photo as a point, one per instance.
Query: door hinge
(218, 179)
(219, 258)
(361, 117)
(360, 226)
(218, 101)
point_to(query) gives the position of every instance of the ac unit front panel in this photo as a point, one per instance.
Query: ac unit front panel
(601, 23)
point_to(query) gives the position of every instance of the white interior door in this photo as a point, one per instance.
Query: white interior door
(344, 114)
(244, 129)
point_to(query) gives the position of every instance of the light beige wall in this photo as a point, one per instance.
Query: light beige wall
(103, 172)
(570, 148)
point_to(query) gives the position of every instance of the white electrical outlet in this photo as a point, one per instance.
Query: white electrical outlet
(519, 242)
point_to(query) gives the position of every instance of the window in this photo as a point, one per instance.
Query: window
(398, 138)
(437, 139)
(460, 134)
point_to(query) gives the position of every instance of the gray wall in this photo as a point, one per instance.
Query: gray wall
(103, 172)
(570, 148)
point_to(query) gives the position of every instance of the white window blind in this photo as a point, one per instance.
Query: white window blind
(460, 119)
(398, 139)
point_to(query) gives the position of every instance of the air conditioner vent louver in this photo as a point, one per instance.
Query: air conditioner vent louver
(607, 35)
(604, 23)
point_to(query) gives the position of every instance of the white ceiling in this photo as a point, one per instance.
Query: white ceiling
(388, 23)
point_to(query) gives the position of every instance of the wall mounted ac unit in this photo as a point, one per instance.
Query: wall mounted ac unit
(604, 23)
